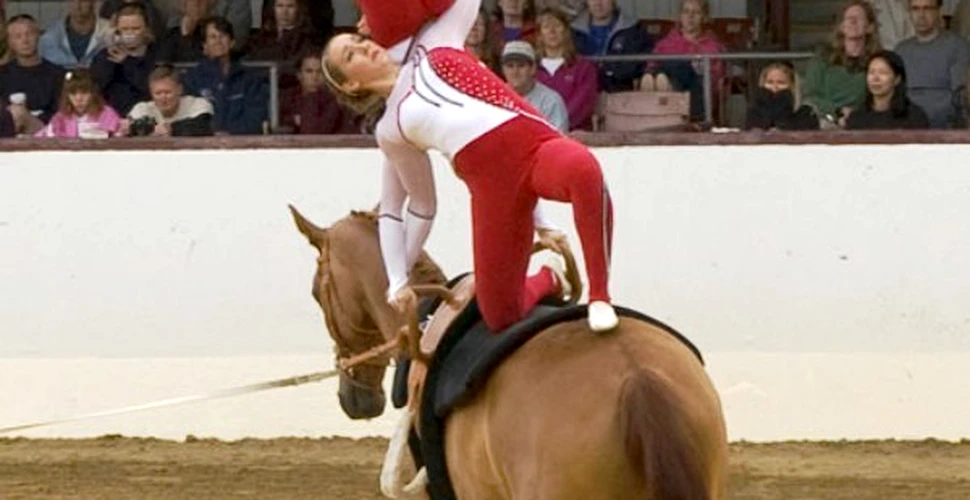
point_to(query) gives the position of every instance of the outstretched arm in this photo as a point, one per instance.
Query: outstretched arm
(406, 176)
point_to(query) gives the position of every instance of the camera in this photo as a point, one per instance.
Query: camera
(142, 127)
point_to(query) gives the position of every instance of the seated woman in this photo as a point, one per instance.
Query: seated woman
(82, 112)
(777, 102)
(309, 108)
(286, 34)
(481, 44)
(887, 105)
(514, 20)
(835, 80)
(238, 95)
(688, 37)
(154, 17)
(563, 70)
(121, 69)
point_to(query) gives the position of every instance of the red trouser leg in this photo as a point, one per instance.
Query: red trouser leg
(567, 171)
(502, 233)
(496, 169)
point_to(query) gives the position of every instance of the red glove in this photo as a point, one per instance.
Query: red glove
(392, 22)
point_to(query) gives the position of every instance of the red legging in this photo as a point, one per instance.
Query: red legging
(506, 171)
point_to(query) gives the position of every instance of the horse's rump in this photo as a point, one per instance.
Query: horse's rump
(466, 358)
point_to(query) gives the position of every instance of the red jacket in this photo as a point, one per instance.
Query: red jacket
(316, 113)
(676, 43)
(578, 84)
(394, 22)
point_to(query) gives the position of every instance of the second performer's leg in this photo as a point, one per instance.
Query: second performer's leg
(567, 171)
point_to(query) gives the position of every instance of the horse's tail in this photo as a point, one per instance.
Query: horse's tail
(659, 442)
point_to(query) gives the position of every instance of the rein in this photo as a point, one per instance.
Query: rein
(346, 360)
(409, 337)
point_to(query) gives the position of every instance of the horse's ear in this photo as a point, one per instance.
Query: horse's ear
(314, 234)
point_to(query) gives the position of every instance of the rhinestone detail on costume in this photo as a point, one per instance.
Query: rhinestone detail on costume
(459, 69)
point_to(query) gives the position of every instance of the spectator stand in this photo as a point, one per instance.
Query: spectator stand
(705, 61)
(591, 139)
(738, 34)
(273, 71)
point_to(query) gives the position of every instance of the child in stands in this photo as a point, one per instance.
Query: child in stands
(82, 111)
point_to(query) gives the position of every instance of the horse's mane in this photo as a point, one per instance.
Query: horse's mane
(425, 270)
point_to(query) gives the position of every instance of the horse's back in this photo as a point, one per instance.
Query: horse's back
(547, 424)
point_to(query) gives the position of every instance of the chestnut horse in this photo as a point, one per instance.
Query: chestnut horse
(629, 414)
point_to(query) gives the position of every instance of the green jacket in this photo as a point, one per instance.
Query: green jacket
(828, 87)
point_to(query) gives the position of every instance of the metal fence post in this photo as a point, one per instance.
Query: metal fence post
(274, 97)
(708, 89)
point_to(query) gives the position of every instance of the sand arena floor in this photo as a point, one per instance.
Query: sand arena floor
(124, 468)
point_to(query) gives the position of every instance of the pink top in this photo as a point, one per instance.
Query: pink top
(578, 84)
(64, 125)
(676, 43)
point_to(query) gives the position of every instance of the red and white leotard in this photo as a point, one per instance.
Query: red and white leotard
(508, 155)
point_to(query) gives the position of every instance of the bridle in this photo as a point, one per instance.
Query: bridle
(346, 359)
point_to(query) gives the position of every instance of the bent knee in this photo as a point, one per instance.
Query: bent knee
(499, 316)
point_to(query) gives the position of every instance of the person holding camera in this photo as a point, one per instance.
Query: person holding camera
(122, 69)
(169, 113)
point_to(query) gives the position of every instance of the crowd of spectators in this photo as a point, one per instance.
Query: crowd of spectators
(122, 68)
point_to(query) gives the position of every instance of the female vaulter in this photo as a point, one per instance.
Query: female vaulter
(439, 97)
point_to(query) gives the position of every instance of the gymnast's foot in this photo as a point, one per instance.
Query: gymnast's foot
(559, 273)
(601, 316)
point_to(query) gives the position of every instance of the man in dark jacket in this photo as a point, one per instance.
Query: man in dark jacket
(602, 30)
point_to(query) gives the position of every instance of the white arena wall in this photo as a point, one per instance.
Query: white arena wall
(827, 285)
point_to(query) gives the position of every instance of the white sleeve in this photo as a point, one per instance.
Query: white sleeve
(390, 228)
(406, 175)
(451, 29)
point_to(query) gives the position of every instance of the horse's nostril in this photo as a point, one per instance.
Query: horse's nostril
(359, 404)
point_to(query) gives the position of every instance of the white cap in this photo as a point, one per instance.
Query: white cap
(519, 49)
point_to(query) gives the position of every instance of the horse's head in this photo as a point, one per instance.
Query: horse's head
(350, 287)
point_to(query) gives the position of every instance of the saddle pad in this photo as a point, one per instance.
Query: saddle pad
(402, 365)
(463, 362)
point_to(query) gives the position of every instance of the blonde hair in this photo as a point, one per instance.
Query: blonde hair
(796, 84)
(365, 102)
(838, 56)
